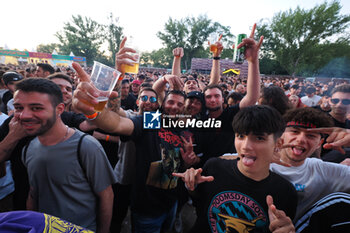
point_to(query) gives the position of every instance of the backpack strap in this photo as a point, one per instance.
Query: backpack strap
(80, 161)
(25, 152)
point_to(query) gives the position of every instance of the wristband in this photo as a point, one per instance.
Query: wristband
(107, 138)
(92, 116)
(216, 58)
(121, 77)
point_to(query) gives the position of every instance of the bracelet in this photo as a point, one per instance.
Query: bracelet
(216, 58)
(107, 138)
(92, 116)
(121, 77)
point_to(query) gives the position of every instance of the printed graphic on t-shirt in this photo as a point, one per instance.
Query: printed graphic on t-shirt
(160, 172)
(231, 211)
(57, 225)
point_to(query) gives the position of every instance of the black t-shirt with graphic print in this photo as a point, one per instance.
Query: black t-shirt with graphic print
(157, 157)
(236, 202)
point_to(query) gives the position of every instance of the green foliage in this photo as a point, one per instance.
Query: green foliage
(271, 66)
(82, 36)
(192, 35)
(300, 40)
(48, 48)
(157, 58)
(114, 35)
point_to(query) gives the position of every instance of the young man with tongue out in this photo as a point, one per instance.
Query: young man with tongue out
(243, 195)
(313, 178)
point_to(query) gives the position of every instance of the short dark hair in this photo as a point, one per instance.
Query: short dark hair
(259, 119)
(309, 115)
(125, 81)
(41, 85)
(286, 87)
(213, 86)
(141, 76)
(295, 86)
(191, 78)
(60, 76)
(147, 89)
(274, 96)
(46, 67)
(342, 88)
(145, 84)
(310, 90)
(235, 96)
(174, 92)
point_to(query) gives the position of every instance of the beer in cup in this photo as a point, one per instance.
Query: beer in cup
(104, 78)
(133, 69)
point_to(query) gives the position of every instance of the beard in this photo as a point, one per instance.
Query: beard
(44, 127)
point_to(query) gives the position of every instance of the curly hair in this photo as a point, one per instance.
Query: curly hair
(309, 115)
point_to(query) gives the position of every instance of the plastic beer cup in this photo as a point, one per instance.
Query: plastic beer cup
(134, 69)
(104, 78)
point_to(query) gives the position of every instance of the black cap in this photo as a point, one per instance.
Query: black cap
(197, 95)
(11, 76)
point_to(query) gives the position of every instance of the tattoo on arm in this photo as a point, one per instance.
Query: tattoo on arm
(114, 103)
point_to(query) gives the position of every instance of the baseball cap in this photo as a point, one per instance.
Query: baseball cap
(136, 82)
(197, 95)
(11, 76)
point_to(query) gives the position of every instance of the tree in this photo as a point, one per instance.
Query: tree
(83, 37)
(292, 37)
(271, 66)
(114, 35)
(48, 48)
(192, 34)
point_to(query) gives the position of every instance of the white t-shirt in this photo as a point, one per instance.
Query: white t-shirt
(313, 180)
(311, 102)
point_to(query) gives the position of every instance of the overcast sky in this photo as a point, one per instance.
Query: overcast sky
(28, 23)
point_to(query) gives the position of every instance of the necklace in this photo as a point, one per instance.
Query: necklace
(65, 134)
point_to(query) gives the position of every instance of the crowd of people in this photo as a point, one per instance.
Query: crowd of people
(278, 162)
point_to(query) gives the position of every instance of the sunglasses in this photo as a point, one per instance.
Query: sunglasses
(152, 99)
(343, 101)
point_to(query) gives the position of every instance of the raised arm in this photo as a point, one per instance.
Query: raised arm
(215, 69)
(160, 86)
(85, 96)
(252, 56)
(178, 54)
